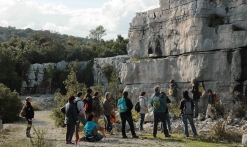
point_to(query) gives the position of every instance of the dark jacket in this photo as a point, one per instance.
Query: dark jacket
(70, 113)
(96, 106)
(107, 107)
(174, 87)
(29, 111)
(211, 99)
(195, 92)
(88, 100)
(167, 101)
(163, 105)
(182, 103)
(129, 105)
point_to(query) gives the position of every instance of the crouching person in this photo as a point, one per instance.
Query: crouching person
(91, 130)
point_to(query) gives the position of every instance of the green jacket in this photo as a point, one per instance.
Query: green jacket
(163, 105)
(211, 99)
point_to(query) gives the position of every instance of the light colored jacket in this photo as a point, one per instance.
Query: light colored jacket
(143, 104)
(80, 105)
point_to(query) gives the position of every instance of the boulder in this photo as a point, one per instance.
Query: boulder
(148, 127)
(244, 139)
(149, 117)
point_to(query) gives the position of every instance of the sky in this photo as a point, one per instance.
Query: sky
(73, 17)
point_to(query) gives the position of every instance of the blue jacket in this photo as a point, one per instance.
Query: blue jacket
(163, 105)
(89, 128)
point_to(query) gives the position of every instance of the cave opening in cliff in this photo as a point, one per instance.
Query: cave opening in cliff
(158, 48)
(150, 50)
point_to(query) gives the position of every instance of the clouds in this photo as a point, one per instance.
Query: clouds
(114, 15)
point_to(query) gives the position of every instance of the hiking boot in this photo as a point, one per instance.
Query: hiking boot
(135, 136)
(167, 136)
(69, 142)
(28, 134)
(125, 137)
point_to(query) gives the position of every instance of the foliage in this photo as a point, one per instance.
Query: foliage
(219, 109)
(36, 107)
(114, 89)
(135, 115)
(98, 33)
(107, 70)
(10, 104)
(98, 88)
(174, 109)
(215, 20)
(72, 86)
(40, 141)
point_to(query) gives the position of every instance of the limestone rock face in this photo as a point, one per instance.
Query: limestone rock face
(185, 26)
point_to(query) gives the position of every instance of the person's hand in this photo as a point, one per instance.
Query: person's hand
(81, 114)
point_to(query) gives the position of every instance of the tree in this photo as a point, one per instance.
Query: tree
(114, 88)
(98, 33)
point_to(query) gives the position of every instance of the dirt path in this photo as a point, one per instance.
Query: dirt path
(57, 135)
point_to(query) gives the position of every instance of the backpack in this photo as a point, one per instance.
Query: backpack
(215, 98)
(200, 89)
(122, 105)
(138, 107)
(156, 102)
(77, 107)
(23, 112)
(170, 92)
(188, 109)
(87, 106)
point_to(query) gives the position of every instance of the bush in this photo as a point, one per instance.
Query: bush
(40, 141)
(10, 104)
(107, 70)
(36, 107)
(219, 109)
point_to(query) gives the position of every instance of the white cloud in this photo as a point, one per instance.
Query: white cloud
(114, 15)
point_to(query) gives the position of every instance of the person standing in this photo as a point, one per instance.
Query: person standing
(71, 119)
(80, 113)
(167, 114)
(107, 112)
(88, 103)
(209, 112)
(158, 102)
(143, 108)
(126, 115)
(173, 86)
(196, 96)
(186, 107)
(29, 115)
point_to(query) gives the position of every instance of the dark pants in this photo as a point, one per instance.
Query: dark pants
(29, 125)
(142, 116)
(70, 131)
(160, 117)
(129, 119)
(108, 125)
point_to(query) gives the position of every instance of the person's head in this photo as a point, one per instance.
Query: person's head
(90, 118)
(209, 92)
(71, 98)
(163, 93)
(79, 94)
(143, 93)
(29, 99)
(90, 91)
(193, 81)
(96, 94)
(156, 89)
(107, 95)
(171, 81)
(125, 94)
(185, 94)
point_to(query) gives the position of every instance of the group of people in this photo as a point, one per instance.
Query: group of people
(87, 111)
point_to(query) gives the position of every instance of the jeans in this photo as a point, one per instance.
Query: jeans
(142, 116)
(193, 128)
(209, 112)
(81, 119)
(70, 131)
(168, 122)
(195, 108)
(98, 137)
(108, 125)
(29, 125)
(128, 118)
(160, 117)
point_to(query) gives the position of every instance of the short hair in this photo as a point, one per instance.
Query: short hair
(27, 98)
(79, 94)
(142, 93)
(96, 94)
(171, 81)
(209, 91)
(89, 91)
(125, 94)
(185, 94)
(90, 118)
(156, 88)
(163, 93)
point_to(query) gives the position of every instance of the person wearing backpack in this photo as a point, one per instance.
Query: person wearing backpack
(80, 113)
(211, 102)
(196, 96)
(70, 111)
(107, 112)
(143, 108)
(88, 102)
(186, 107)
(125, 106)
(91, 130)
(158, 102)
(29, 115)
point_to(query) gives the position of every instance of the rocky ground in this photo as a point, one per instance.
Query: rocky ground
(56, 136)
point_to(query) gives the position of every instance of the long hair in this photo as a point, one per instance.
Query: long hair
(125, 94)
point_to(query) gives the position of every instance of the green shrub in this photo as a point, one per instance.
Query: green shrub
(10, 104)
(40, 141)
(219, 109)
(107, 70)
(36, 107)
